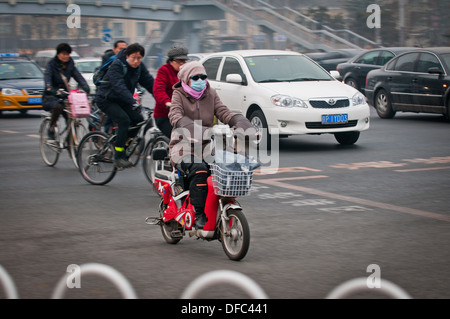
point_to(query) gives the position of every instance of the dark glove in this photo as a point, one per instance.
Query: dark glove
(87, 90)
(50, 91)
(137, 107)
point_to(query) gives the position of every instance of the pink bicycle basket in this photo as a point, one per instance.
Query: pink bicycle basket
(79, 104)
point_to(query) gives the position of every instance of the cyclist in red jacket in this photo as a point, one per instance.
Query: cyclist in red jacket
(166, 78)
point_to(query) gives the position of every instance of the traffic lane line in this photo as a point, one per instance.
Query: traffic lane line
(8, 131)
(15, 132)
(421, 169)
(278, 182)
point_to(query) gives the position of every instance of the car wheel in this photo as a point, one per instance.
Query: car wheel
(258, 120)
(352, 83)
(347, 138)
(383, 105)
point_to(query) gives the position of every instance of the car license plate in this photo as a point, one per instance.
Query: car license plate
(334, 118)
(35, 100)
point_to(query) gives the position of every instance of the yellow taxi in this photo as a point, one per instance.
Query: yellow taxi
(21, 84)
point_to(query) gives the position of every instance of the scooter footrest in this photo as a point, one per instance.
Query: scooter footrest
(153, 221)
(176, 234)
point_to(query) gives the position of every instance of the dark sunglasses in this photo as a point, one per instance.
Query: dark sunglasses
(196, 77)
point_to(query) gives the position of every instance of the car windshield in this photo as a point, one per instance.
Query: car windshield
(285, 68)
(88, 66)
(19, 70)
(446, 59)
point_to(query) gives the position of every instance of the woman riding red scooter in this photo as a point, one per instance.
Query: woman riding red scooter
(194, 105)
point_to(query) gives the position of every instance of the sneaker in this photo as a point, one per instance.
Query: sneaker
(200, 220)
(122, 163)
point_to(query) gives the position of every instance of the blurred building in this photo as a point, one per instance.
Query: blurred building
(424, 23)
(28, 34)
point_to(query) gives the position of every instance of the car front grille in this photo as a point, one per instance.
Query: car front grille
(330, 103)
(319, 125)
(34, 91)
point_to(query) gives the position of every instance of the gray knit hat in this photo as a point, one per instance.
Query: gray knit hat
(179, 52)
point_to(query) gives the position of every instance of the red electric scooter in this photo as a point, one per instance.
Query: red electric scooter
(226, 220)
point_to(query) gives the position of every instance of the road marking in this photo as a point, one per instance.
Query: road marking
(299, 169)
(7, 131)
(365, 202)
(379, 164)
(292, 178)
(421, 169)
(33, 135)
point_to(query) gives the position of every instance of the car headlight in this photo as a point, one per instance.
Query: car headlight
(358, 99)
(8, 91)
(287, 101)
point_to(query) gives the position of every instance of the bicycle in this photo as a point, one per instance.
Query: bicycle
(96, 151)
(69, 138)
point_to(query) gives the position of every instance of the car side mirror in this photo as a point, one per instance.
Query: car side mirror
(435, 70)
(235, 78)
(336, 75)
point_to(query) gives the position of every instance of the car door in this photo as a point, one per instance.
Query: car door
(400, 79)
(364, 64)
(232, 94)
(429, 88)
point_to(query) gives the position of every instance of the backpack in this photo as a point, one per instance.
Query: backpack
(98, 76)
(100, 73)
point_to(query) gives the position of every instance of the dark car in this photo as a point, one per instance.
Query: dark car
(354, 71)
(417, 81)
(21, 84)
(330, 60)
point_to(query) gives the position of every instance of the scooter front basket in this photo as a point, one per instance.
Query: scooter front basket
(229, 183)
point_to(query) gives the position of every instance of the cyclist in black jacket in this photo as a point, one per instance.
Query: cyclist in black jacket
(115, 96)
(58, 73)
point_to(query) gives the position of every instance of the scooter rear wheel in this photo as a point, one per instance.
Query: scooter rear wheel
(235, 235)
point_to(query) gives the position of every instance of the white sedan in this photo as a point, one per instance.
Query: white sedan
(286, 93)
(87, 67)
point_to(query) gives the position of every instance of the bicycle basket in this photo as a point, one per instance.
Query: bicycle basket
(230, 183)
(79, 104)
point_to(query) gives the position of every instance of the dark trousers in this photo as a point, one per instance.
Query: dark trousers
(124, 116)
(197, 174)
(56, 113)
(163, 123)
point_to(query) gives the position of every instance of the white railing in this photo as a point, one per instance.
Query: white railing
(203, 282)
(357, 285)
(121, 283)
(226, 277)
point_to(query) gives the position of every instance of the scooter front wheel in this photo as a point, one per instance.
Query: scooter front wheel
(235, 235)
(171, 232)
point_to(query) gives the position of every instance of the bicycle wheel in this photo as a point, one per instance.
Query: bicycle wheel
(150, 166)
(49, 147)
(235, 235)
(77, 133)
(96, 158)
